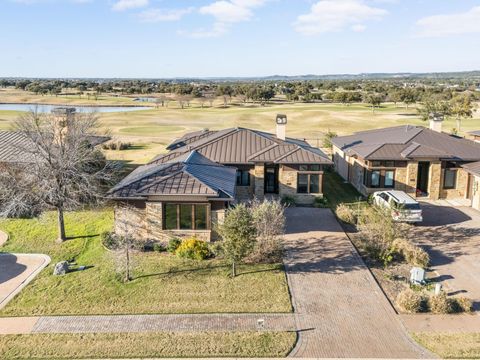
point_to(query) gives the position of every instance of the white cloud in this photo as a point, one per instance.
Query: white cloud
(450, 24)
(336, 15)
(159, 15)
(225, 13)
(122, 5)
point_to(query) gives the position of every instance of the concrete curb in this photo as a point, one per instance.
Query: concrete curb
(46, 261)
(3, 237)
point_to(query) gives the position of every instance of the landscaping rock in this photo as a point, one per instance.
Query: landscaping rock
(60, 268)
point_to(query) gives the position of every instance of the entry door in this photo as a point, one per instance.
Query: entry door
(470, 187)
(271, 179)
(422, 177)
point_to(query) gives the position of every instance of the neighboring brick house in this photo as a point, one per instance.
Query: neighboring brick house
(473, 189)
(261, 165)
(422, 162)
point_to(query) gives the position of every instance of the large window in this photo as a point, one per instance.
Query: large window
(243, 178)
(379, 178)
(450, 179)
(185, 217)
(308, 184)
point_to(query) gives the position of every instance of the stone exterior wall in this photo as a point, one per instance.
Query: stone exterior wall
(461, 188)
(287, 178)
(476, 192)
(259, 173)
(246, 193)
(145, 221)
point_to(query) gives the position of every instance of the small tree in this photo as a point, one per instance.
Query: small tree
(327, 139)
(238, 233)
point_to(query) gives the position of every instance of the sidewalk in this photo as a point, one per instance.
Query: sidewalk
(442, 323)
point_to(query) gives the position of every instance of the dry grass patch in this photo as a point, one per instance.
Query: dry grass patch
(142, 345)
(451, 346)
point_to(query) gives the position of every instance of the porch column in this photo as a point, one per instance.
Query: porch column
(411, 180)
(435, 181)
(259, 181)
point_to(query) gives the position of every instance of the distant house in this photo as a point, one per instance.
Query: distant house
(422, 162)
(475, 135)
(187, 190)
(473, 192)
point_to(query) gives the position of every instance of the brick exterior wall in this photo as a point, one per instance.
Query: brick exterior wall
(476, 192)
(259, 173)
(288, 178)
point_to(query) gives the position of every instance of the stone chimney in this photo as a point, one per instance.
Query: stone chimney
(436, 122)
(281, 126)
(63, 116)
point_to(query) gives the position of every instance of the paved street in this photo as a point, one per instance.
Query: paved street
(340, 310)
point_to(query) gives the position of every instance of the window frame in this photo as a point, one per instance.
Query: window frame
(193, 215)
(309, 182)
(453, 171)
(240, 176)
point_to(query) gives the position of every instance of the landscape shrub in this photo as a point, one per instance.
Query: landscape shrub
(116, 145)
(463, 304)
(411, 301)
(288, 201)
(320, 202)
(108, 239)
(346, 214)
(216, 249)
(158, 247)
(173, 244)
(441, 304)
(269, 221)
(193, 249)
(413, 254)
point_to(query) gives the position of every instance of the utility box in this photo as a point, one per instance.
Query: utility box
(417, 276)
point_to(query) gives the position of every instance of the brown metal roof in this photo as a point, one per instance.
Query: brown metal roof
(472, 168)
(407, 142)
(247, 146)
(188, 174)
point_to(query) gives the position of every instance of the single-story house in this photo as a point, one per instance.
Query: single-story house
(423, 162)
(473, 190)
(244, 163)
(475, 135)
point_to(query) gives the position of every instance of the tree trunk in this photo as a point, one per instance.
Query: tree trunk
(234, 269)
(61, 226)
(458, 124)
(127, 264)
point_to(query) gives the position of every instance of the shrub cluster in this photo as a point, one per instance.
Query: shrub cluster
(411, 301)
(320, 202)
(413, 254)
(108, 239)
(288, 201)
(116, 145)
(173, 244)
(346, 214)
(193, 249)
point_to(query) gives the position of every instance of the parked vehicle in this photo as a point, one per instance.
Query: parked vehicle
(404, 207)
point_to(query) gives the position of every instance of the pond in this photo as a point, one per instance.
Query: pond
(48, 108)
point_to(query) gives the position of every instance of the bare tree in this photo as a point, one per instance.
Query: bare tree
(210, 98)
(59, 167)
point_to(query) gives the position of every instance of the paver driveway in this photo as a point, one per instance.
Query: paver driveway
(451, 235)
(339, 307)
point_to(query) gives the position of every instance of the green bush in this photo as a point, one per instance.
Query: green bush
(158, 247)
(411, 301)
(441, 304)
(173, 244)
(216, 249)
(346, 214)
(320, 202)
(193, 249)
(288, 201)
(108, 239)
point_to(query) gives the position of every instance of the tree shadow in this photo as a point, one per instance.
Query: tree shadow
(174, 271)
(434, 215)
(9, 267)
(82, 237)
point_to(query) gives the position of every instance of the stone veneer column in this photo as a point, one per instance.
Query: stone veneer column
(411, 178)
(435, 180)
(154, 217)
(259, 181)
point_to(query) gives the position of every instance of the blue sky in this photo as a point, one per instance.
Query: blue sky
(203, 38)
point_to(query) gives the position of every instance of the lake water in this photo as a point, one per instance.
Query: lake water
(49, 108)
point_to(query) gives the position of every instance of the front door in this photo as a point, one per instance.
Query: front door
(422, 178)
(271, 179)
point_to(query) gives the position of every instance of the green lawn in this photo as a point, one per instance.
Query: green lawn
(451, 346)
(142, 345)
(337, 191)
(163, 283)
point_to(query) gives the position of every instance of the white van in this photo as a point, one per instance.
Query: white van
(404, 207)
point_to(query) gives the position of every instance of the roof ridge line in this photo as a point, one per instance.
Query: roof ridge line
(288, 153)
(202, 182)
(269, 147)
(163, 178)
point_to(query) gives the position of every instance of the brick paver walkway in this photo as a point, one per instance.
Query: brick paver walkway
(151, 323)
(339, 309)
